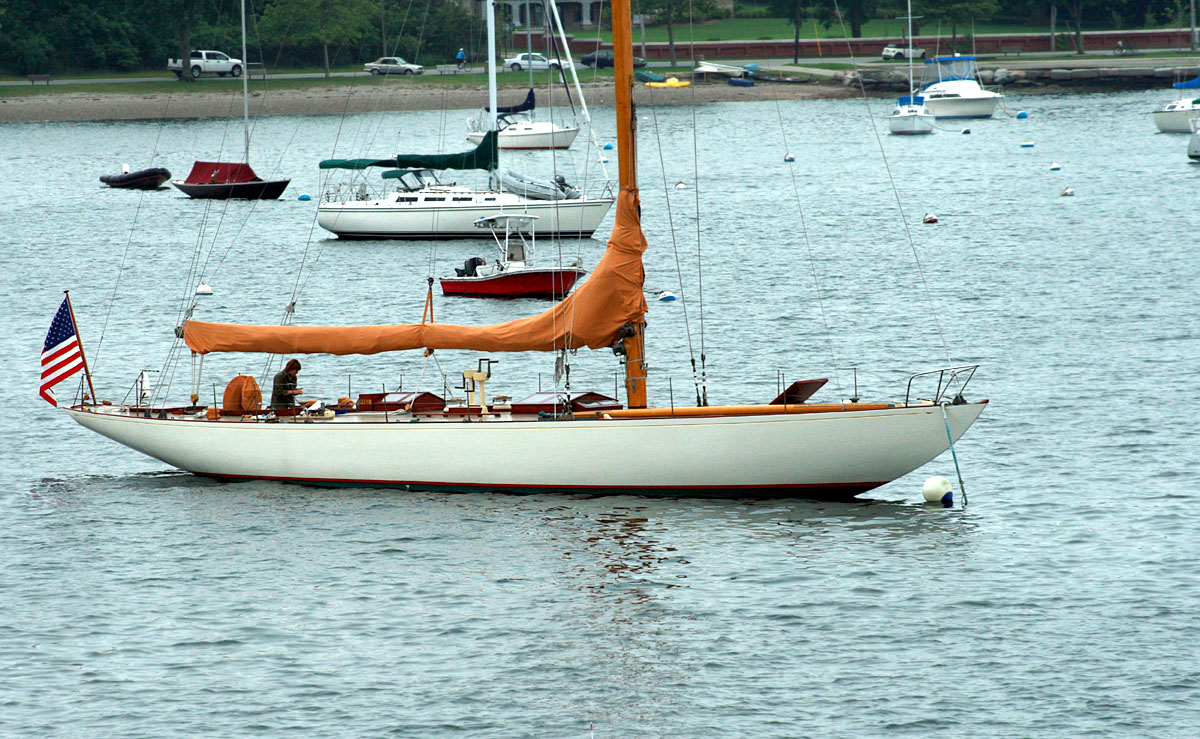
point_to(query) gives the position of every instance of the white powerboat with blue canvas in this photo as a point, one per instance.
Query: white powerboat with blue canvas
(950, 86)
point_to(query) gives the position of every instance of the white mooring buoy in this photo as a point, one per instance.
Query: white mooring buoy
(203, 289)
(1055, 166)
(929, 218)
(937, 490)
(681, 185)
(1067, 192)
(789, 158)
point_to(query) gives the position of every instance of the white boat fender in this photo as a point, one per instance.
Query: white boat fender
(1067, 192)
(304, 196)
(125, 169)
(204, 289)
(929, 218)
(789, 158)
(937, 490)
(1055, 166)
(1022, 115)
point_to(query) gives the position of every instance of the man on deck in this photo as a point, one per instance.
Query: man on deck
(284, 390)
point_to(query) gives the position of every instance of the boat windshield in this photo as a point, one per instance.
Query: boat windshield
(948, 69)
(409, 180)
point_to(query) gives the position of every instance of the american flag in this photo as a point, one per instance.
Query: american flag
(61, 354)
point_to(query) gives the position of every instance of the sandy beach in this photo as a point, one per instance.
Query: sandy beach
(338, 99)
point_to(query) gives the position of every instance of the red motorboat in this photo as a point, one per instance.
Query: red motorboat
(513, 275)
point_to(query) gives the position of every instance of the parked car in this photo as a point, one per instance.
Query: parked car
(899, 52)
(207, 62)
(604, 58)
(536, 62)
(392, 65)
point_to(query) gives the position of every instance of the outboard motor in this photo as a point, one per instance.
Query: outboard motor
(566, 189)
(470, 266)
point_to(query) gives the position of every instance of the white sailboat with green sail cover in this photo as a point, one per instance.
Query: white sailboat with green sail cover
(559, 441)
(424, 207)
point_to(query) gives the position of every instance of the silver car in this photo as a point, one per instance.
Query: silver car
(536, 62)
(392, 65)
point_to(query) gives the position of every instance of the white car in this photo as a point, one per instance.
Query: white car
(392, 65)
(899, 52)
(536, 62)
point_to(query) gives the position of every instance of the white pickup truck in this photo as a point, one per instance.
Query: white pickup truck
(207, 62)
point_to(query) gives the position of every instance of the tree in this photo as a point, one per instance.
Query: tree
(1075, 10)
(853, 12)
(959, 11)
(795, 11)
(319, 23)
(668, 11)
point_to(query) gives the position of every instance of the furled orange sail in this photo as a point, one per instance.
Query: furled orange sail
(591, 316)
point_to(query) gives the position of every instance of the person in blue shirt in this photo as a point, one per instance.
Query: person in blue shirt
(462, 58)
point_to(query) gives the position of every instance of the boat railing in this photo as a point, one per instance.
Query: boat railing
(951, 381)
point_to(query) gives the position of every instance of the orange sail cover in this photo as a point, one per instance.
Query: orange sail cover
(591, 316)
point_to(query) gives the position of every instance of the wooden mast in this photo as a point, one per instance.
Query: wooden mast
(86, 372)
(634, 335)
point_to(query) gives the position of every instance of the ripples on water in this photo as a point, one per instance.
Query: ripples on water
(143, 602)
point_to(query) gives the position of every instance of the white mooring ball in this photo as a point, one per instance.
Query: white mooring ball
(937, 490)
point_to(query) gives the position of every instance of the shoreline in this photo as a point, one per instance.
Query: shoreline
(333, 99)
(337, 100)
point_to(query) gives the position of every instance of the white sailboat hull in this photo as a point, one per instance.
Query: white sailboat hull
(906, 122)
(450, 219)
(827, 454)
(1176, 117)
(534, 135)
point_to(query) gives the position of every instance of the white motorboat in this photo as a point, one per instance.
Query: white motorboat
(422, 207)
(950, 86)
(561, 441)
(910, 117)
(1177, 115)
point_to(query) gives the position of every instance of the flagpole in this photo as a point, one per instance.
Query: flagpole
(87, 373)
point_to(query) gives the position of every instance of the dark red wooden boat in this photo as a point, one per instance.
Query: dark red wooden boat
(225, 180)
(143, 179)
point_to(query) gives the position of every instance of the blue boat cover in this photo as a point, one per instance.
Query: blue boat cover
(911, 100)
(1189, 85)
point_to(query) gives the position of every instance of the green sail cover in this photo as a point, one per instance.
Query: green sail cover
(484, 156)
